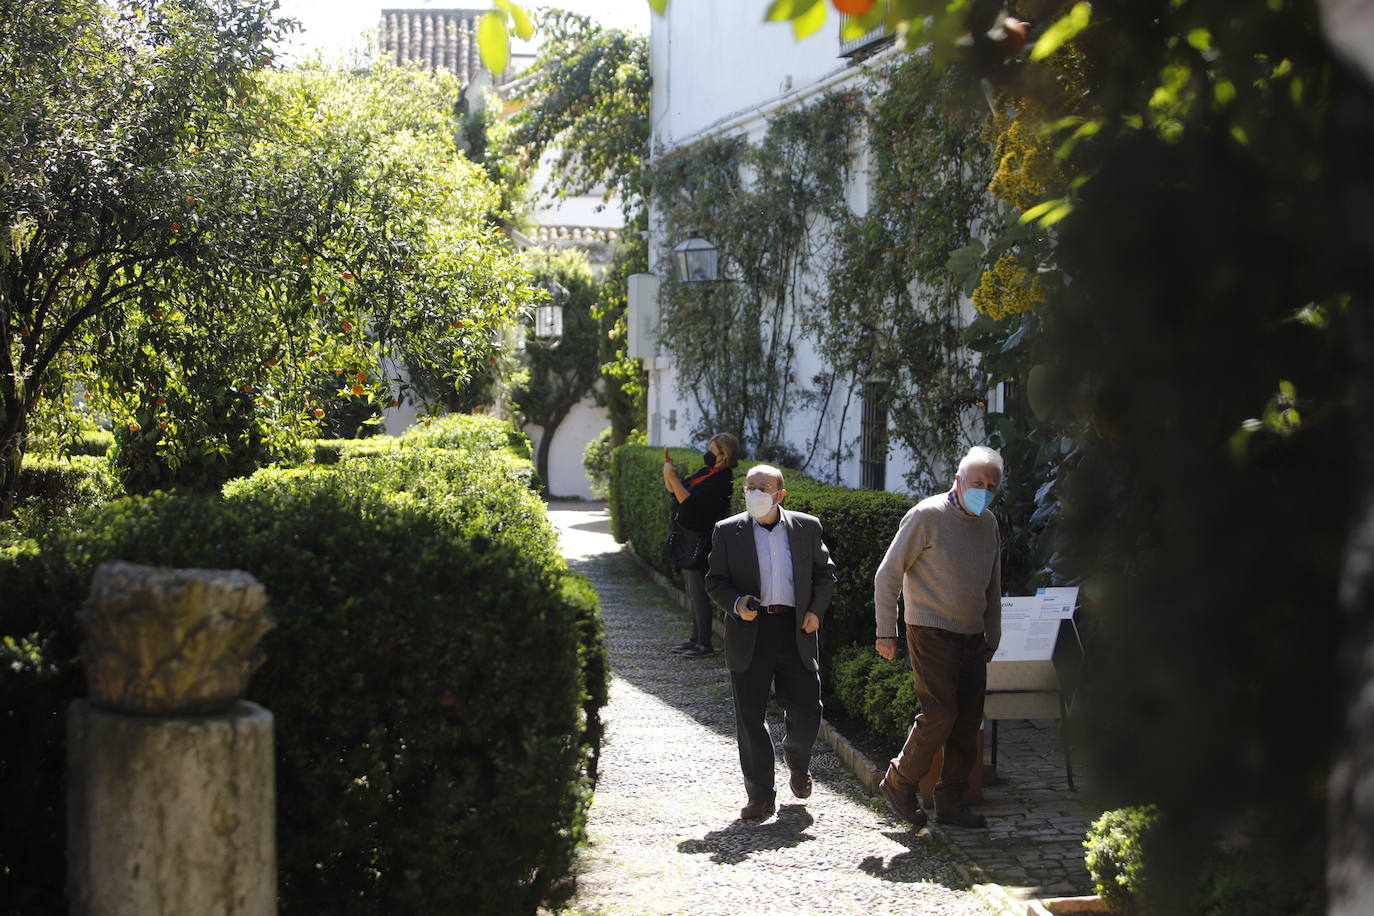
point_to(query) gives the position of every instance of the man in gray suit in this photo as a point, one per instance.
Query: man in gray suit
(772, 575)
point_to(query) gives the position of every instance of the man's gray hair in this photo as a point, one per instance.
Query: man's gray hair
(982, 456)
(766, 469)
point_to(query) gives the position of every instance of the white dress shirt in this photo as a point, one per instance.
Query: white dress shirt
(775, 564)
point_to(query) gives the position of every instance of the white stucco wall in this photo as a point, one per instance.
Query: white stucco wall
(713, 59)
(583, 424)
(718, 71)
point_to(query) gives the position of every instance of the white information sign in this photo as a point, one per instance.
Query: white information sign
(1058, 603)
(1027, 634)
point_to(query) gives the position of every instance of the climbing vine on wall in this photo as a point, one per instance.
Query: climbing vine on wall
(772, 210)
(893, 317)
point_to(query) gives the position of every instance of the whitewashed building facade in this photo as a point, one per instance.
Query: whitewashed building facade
(719, 72)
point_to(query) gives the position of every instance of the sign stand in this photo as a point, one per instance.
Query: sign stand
(1024, 679)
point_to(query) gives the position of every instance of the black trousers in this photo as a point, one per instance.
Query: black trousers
(694, 582)
(776, 666)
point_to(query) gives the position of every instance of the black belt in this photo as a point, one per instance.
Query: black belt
(779, 608)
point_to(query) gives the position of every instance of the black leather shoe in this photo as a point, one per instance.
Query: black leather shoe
(801, 783)
(905, 806)
(963, 817)
(683, 647)
(758, 811)
(698, 652)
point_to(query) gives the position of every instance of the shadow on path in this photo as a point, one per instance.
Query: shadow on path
(734, 844)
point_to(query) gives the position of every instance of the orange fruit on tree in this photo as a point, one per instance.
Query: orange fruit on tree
(134, 427)
(348, 325)
(348, 275)
(361, 376)
(852, 7)
(322, 297)
(357, 389)
(318, 412)
(271, 360)
(176, 227)
(160, 402)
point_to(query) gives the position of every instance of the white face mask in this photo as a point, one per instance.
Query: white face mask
(758, 503)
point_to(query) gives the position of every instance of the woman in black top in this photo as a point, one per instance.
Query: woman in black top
(703, 499)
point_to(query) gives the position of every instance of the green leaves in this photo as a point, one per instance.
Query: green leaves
(493, 34)
(1063, 30)
(1048, 213)
(806, 16)
(494, 42)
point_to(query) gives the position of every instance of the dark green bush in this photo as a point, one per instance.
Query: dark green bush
(223, 441)
(1116, 845)
(878, 692)
(1246, 879)
(858, 524)
(52, 487)
(436, 677)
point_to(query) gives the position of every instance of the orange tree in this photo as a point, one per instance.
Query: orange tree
(195, 241)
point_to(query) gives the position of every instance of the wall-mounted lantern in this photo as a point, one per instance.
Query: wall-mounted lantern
(696, 260)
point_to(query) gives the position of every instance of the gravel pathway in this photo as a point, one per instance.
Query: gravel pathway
(664, 831)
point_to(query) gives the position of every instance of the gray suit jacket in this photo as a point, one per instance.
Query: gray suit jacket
(734, 571)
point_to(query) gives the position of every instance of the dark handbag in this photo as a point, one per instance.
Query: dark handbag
(687, 549)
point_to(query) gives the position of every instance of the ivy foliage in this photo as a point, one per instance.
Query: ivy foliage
(893, 316)
(734, 343)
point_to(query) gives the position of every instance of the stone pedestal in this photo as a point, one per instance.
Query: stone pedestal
(171, 816)
(170, 798)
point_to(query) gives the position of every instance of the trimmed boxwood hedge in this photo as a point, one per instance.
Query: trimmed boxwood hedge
(858, 526)
(52, 487)
(436, 675)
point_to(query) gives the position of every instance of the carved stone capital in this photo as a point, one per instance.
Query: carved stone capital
(170, 642)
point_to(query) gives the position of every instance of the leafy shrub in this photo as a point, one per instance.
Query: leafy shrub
(878, 692)
(858, 527)
(91, 441)
(1116, 855)
(436, 676)
(51, 487)
(596, 459)
(474, 432)
(223, 440)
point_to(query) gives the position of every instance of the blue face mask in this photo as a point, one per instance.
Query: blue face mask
(975, 501)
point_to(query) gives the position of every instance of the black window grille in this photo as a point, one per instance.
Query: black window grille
(873, 439)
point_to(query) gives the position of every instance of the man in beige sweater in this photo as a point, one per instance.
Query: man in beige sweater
(946, 562)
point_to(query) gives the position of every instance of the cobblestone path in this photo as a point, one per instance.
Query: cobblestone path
(665, 837)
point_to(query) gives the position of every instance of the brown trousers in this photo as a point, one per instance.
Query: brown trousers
(951, 672)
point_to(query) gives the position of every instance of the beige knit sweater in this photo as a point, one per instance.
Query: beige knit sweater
(948, 566)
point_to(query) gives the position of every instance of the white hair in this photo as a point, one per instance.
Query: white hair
(982, 457)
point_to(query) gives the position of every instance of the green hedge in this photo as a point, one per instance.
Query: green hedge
(858, 527)
(472, 432)
(880, 693)
(436, 677)
(53, 487)
(91, 441)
